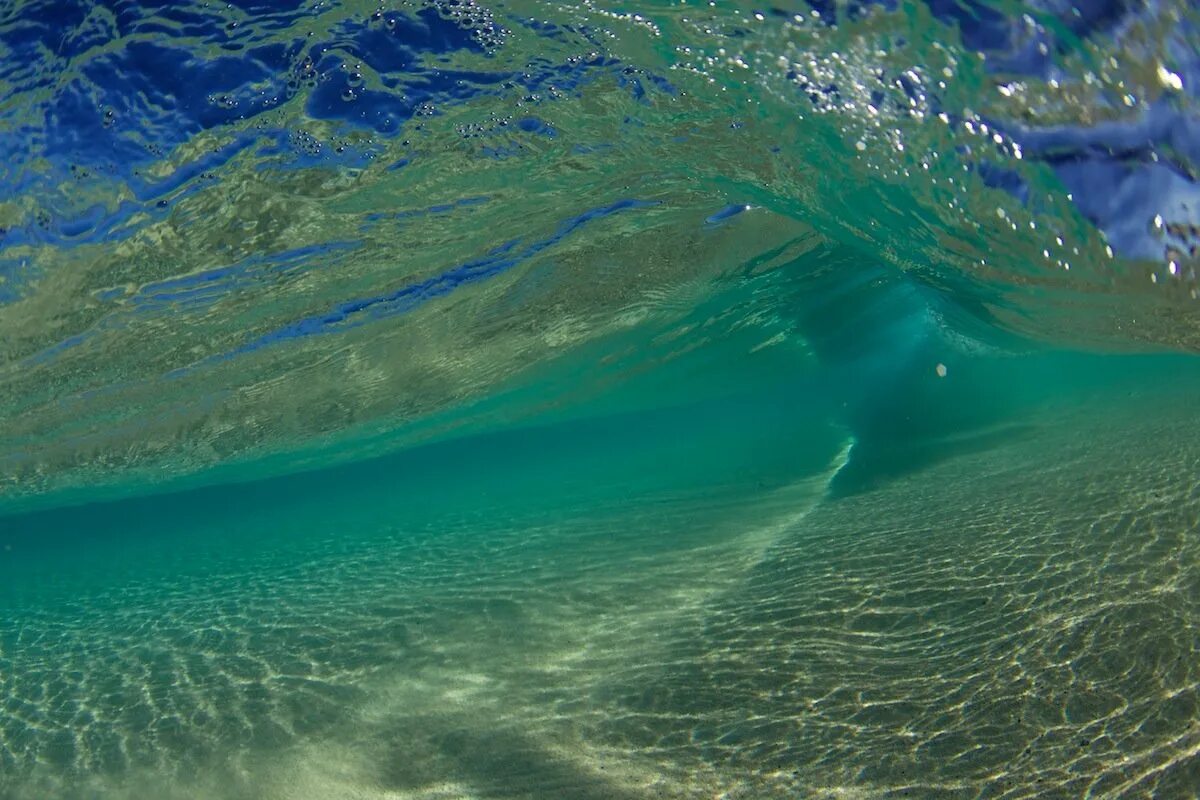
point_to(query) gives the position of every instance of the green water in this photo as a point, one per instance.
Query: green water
(554, 401)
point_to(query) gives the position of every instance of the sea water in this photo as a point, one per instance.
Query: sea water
(552, 400)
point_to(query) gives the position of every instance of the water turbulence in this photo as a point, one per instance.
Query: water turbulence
(601, 402)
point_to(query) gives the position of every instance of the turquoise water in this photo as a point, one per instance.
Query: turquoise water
(538, 400)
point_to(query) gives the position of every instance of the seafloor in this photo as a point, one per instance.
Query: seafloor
(1016, 618)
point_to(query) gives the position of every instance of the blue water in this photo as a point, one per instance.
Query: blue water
(538, 400)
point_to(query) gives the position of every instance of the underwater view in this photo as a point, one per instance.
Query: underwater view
(599, 400)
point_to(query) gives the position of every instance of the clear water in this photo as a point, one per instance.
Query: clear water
(551, 400)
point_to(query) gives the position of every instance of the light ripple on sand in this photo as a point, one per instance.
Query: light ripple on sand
(1015, 623)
